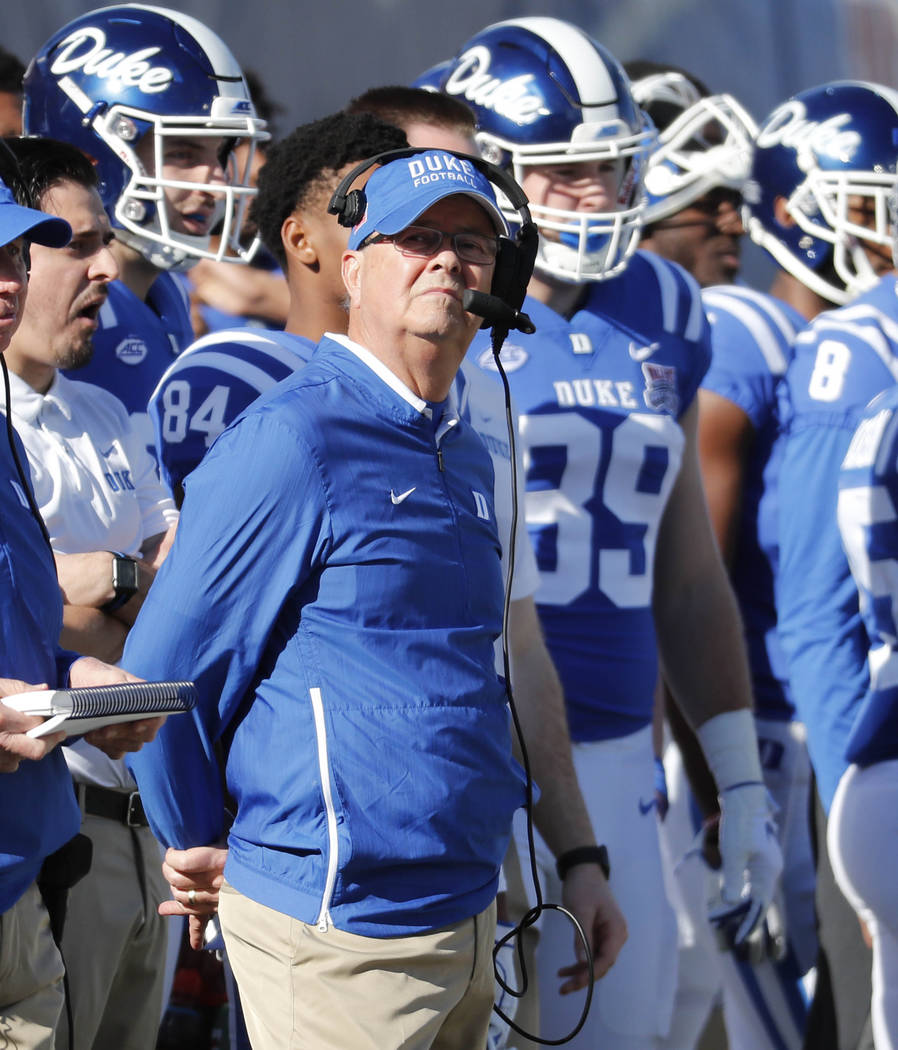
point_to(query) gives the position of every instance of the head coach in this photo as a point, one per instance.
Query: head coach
(335, 591)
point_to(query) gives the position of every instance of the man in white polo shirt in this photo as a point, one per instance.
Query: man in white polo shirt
(110, 521)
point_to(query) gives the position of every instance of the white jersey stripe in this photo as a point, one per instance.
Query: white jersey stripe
(244, 337)
(853, 314)
(696, 309)
(766, 304)
(757, 324)
(235, 367)
(589, 72)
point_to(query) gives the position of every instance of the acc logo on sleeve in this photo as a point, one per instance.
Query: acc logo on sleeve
(513, 357)
(132, 350)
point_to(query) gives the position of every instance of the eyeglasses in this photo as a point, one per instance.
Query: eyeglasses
(424, 242)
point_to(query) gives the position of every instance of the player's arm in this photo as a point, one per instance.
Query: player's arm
(560, 815)
(251, 292)
(725, 437)
(699, 628)
(703, 656)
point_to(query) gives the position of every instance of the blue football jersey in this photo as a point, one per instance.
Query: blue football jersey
(599, 402)
(868, 523)
(841, 361)
(751, 338)
(204, 390)
(136, 342)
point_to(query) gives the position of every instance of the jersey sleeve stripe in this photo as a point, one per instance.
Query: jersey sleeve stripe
(757, 324)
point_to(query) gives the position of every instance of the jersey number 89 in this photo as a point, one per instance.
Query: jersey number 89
(632, 485)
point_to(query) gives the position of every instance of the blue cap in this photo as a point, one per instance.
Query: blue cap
(36, 226)
(401, 191)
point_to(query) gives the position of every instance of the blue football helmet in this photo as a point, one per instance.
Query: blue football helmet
(707, 145)
(823, 154)
(543, 92)
(112, 76)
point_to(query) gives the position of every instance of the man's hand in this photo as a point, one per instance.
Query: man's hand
(751, 861)
(115, 740)
(587, 895)
(195, 876)
(15, 745)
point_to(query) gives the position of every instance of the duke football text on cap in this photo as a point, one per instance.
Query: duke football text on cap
(401, 191)
(16, 221)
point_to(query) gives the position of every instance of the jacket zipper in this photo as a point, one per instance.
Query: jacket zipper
(324, 917)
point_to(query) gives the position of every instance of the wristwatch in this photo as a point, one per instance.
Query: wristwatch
(583, 855)
(124, 581)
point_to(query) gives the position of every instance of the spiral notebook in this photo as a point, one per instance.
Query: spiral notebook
(77, 711)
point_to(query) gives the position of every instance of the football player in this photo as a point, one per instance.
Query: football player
(862, 837)
(606, 388)
(159, 103)
(840, 361)
(695, 180)
(830, 242)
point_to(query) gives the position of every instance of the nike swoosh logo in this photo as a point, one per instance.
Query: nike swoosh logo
(647, 807)
(108, 452)
(398, 499)
(640, 353)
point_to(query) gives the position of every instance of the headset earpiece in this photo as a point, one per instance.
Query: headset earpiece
(514, 267)
(353, 209)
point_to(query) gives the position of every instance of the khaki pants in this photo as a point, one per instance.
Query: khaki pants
(301, 987)
(31, 995)
(114, 941)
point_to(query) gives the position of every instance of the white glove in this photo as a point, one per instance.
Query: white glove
(751, 858)
(508, 1004)
(749, 847)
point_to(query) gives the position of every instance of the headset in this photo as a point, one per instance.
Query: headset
(500, 309)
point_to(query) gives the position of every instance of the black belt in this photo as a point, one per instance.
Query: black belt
(122, 806)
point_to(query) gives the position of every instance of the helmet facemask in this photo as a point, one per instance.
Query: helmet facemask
(580, 246)
(708, 146)
(141, 210)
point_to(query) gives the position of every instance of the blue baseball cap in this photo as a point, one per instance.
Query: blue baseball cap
(401, 191)
(36, 226)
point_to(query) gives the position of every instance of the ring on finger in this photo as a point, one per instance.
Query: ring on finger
(191, 898)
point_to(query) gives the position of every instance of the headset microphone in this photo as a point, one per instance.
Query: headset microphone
(496, 311)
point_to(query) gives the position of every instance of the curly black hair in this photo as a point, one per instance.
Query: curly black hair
(307, 161)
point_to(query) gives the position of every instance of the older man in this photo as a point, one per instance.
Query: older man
(338, 611)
